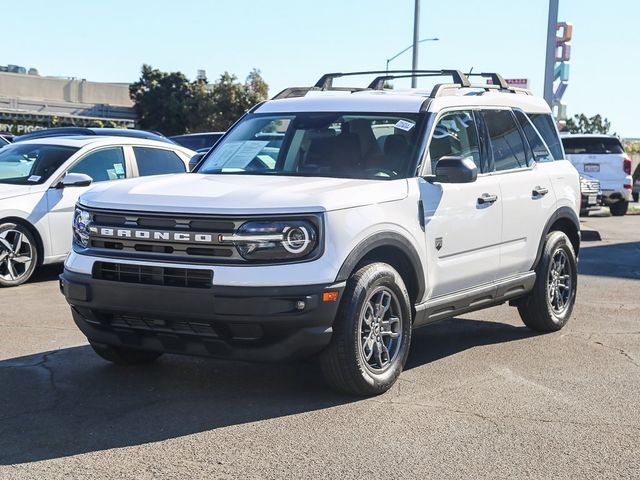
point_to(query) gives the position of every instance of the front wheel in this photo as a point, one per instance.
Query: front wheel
(619, 209)
(548, 306)
(18, 254)
(371, 334)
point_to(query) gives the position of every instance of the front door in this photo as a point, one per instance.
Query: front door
(463, 222)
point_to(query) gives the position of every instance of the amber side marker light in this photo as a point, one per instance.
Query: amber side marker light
(330, 296)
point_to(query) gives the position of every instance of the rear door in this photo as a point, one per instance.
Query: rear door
(528, 198)
(601, 157)
(462, 232)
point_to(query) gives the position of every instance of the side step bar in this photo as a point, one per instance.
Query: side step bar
(476, 298)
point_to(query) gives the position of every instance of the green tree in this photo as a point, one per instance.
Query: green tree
(583, 124)
(171, 104)
(162, 100)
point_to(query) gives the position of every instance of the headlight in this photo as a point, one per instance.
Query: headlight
(277, 240)
(81, 220)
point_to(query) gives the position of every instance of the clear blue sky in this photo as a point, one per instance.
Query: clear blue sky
(293, 41)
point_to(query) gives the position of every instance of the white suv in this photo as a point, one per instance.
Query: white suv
(602, 157)
(331, 222)
(41, 180)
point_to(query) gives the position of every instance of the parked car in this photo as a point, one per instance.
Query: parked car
(590, 193)
(332, 242)
(198, 141)
(6, 137)
(111, 132)
(602, 157)
(41, 180)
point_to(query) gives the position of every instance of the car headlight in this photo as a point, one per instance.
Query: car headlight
(81, 221)
(275, 240)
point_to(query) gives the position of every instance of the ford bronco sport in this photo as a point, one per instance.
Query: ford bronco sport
(331, 221)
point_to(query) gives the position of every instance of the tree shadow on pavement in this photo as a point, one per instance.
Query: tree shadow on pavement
(66, 402)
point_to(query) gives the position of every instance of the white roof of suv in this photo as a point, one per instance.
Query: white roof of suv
(82, 141)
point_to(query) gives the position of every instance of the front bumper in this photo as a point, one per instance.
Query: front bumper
(241, 323)
(590, 201)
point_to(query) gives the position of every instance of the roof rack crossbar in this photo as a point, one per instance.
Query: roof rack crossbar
(378, 82)
(326, 81)
(496, 79)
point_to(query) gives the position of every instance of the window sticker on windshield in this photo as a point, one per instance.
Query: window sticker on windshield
(404, 125)
(236, 154)
(119, 168)
(34, 178)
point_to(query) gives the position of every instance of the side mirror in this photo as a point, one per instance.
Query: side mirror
(75, 180)
(456, 170)
(195, 160)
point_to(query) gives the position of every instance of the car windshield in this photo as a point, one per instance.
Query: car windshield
(591, 145)
(344, 145)
(31, 164)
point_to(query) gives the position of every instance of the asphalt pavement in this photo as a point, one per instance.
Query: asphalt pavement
(481, 396)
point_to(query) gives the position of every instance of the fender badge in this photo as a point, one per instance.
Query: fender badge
(438, 243)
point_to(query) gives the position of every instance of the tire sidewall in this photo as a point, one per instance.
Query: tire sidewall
(34, 253)
(383, 275)
(558, 240)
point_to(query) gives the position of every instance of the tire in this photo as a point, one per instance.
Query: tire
(124, 355)
(619, 209)
(635, 196)
(584, 213)
(541, 310)
(18, 254)
(361, 315)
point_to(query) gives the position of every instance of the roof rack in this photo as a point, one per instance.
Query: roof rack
(459, 79)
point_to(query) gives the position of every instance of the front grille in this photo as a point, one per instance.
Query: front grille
(152, 275)
(192, 238)
(590, 186)
(153, 324)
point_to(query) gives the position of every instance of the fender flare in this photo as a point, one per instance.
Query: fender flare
(561, 213)
(385, 239)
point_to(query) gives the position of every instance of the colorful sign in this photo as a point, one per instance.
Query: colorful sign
(564, 33)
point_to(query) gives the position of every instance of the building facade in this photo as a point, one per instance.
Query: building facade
(29, 101)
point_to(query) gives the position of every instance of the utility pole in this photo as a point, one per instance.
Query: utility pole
(550, 62)
(416, 35)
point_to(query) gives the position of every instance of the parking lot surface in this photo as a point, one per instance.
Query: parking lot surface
(481, 396)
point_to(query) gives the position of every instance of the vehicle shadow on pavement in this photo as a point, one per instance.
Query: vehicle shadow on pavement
(449, 337)
(621, 260)
(66, 402)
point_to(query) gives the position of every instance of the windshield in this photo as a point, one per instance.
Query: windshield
(29, 164)
(344, 145)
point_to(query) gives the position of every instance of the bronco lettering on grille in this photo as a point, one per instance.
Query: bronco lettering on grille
(151, 234)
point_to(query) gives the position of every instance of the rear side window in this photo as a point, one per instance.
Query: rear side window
(156, 161)
(506, 143)
(592, 145)
(455, 135)
(538, 150)
(546, 126)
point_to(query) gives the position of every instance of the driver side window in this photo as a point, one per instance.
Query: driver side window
(455, 135)
(102, 165)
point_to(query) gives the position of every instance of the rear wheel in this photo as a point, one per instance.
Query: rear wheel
(18, 254)
(124, 355)
(619, 209)
(635, 196)
(548, 306)
(371, 334)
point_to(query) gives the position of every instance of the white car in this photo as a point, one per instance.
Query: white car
(602, 157)
(373, 212)
(41, 180)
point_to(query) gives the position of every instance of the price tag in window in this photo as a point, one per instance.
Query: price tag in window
(119, 168)
(404, 125)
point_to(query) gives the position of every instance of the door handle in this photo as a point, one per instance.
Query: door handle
(540, 191)
(486, 198)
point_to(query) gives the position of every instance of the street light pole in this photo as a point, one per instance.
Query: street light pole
(416, 34)
(435, 39)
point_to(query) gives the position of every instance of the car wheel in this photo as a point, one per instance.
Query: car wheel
(548, 306)
(635, 196)
(371, 333)
(584, 213)
(18, 254)
(124, 355)
(619, 209)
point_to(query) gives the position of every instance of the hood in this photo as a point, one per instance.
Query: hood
(11, 191)
(241, 194)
